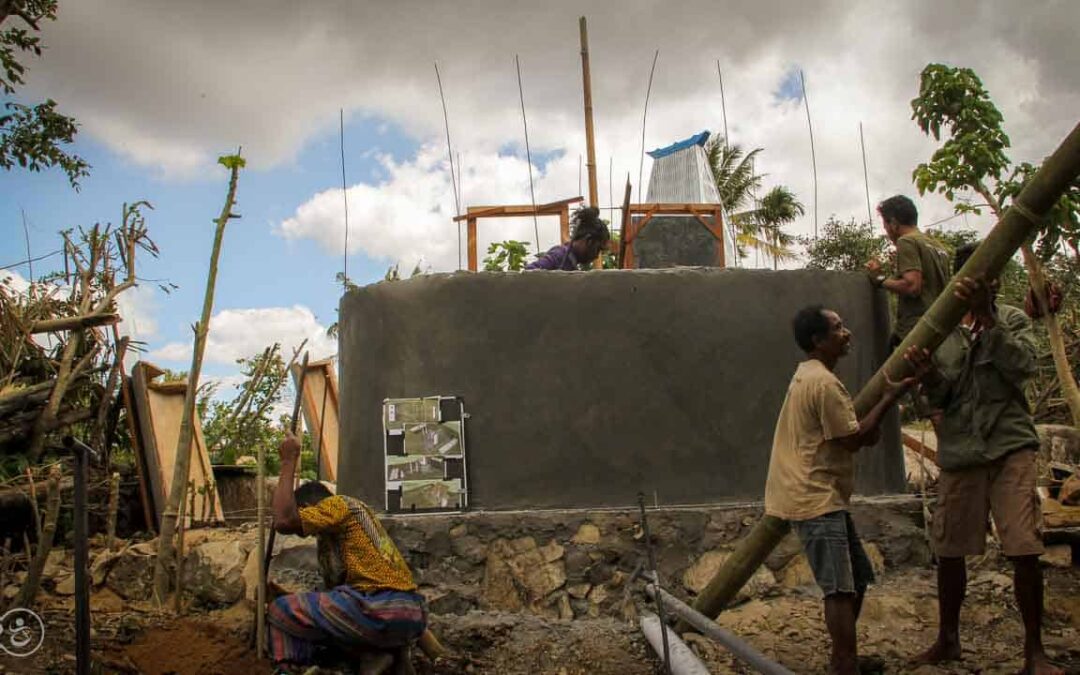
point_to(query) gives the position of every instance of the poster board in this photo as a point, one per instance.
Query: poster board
(424, 444)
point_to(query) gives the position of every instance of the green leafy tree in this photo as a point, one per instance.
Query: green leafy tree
(953, 104)
(32, 136)
(758, 226)
(844, 245)
(506, 256)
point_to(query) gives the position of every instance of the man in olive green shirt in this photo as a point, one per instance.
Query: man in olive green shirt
(987, 447)
(922, 265)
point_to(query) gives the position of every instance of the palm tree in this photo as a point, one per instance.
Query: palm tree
(758, 225)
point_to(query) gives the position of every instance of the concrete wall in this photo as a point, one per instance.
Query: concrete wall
(585, 388)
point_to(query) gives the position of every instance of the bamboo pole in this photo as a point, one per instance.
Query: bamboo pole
(590, 139)
(187, 425)
(1014, 228)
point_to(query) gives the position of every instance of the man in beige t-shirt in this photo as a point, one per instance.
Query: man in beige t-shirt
(812, 473)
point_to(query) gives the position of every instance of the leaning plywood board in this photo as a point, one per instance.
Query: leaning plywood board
(320, 406)
(160, 406)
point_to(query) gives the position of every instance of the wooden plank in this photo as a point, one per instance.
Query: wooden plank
(472, 245)
(664, 209)
(718, 224)
(564, 225)
(132, 417)
(916, 445)
(321, 379)
(160, 409)
(517, 210)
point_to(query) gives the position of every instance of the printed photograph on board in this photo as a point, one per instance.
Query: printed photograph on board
(415, 467)
(399, 412)
(431, 494)
(433, 439)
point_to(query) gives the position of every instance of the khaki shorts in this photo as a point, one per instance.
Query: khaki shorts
(1004, 487)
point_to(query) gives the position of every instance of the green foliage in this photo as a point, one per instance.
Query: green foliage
(609, 258)
(506, 256)
(32, 137)
(230, 433)
(844, 245)
(953, 104)
(232, 161)
(759, 224)
(955, 100)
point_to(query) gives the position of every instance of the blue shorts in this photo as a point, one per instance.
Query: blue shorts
(834, 552)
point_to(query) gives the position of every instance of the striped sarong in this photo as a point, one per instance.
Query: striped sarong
(300, 623)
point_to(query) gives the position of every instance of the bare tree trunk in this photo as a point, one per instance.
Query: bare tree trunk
(183, 447)
(48, 533)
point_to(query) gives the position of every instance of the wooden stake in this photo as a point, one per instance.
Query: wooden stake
(114, 506)
(187, 421)
(590, 140)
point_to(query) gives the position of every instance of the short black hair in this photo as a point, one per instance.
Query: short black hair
(311, 493)
(900, 210)
(809, 323)
(962, 253)
(587, 225)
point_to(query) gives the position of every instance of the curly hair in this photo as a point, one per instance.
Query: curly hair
(587, 225)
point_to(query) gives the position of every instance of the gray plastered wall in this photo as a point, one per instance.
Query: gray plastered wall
(584, 388)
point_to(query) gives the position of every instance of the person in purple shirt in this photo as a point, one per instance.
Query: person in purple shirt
(589, 240)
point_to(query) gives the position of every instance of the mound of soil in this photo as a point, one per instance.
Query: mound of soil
(193, 647)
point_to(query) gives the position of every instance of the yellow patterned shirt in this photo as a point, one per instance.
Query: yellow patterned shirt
(372, 562)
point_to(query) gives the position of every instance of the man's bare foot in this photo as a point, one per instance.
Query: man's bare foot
(939, 653)
(1039, 664)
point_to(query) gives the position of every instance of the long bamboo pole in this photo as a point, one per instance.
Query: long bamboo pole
(178, 488)
(590, 139)
(1017, 224)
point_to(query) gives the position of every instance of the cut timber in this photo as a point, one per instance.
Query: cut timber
(1020, 222)
(320, 406)
(1070, 490)
(1056, 514)
(159, 407)
(914, 443)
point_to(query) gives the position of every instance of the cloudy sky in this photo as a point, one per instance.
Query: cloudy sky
(162, 88)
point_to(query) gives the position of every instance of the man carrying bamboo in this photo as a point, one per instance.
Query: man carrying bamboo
(812, 473)
(986, 448)
(372, 601)
(922, 265)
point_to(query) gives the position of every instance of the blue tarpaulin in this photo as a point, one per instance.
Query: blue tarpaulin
(698, 139)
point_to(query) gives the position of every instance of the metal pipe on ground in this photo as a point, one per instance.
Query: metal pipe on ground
(701, 623)
(1021, 221)
(683, 661)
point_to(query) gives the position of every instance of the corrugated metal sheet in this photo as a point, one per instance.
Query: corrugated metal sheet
(682, 177)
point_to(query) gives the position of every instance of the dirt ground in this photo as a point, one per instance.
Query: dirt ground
(899, 618)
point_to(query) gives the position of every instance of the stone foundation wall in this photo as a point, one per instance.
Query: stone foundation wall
(571, 564)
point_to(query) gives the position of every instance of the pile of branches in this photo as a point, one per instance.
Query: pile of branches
(60, 351)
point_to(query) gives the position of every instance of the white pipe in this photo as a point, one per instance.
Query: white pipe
(683, 661)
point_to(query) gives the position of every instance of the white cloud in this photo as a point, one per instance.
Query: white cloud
(171, 85)
(242, 333)
(14, 280)
(138, 308)
(408, 216)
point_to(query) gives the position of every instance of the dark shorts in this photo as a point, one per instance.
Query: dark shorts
(835, 554)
